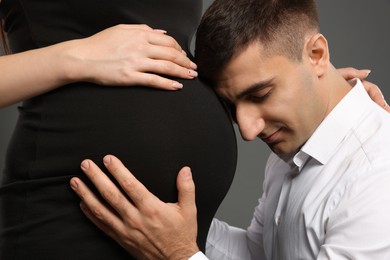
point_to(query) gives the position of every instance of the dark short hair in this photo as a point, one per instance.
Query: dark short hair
(229, 26)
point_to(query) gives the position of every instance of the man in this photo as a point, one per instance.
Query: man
(326, 187)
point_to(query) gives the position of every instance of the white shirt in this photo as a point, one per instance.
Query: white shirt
(331, 202)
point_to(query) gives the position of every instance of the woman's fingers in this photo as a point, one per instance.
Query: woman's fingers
(169, 54)
(117, 55)
(164, 47)
(373, 90)
(376, 94)
(155, 81)
(162, 39)
(167, 68)
(351, 73)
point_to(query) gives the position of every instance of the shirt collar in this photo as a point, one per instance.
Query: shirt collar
(333, 129)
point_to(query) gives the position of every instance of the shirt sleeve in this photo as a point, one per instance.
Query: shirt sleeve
(198, 256)
(232, 243)
(228, 243)
(359, 226)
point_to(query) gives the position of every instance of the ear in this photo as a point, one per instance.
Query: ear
(317, 51)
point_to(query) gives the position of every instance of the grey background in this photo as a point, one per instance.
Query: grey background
(358, 36)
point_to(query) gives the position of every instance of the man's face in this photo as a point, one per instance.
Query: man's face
(273, 97)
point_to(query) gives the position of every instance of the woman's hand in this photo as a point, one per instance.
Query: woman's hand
(373, 90)
(125, 55)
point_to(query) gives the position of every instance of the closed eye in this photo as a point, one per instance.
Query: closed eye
(259, 99)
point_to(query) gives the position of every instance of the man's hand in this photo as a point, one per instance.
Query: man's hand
(373, 90)
(141, 223)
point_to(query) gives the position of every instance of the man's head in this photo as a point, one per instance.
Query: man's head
(229, 26)
(268, 62)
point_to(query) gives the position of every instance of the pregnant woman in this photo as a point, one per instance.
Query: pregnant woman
(85, 86)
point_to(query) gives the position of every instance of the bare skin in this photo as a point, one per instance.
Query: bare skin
(139, 225)
(144, 225)
(123, 55)
(373, 90)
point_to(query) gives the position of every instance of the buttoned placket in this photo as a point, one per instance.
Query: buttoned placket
(297, 164)
(281, 208)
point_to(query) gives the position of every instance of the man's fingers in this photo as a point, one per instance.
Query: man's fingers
(106, 188)
(115, 230)
(101, 224)
(133, 188)
(186, 189)
(98, 212)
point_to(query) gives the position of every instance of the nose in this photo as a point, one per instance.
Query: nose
(250, 122)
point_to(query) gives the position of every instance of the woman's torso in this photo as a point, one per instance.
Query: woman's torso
(154, 132)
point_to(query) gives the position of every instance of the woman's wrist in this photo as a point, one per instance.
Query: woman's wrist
(71, 64)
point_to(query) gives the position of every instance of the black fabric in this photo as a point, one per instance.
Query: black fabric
(154, 132)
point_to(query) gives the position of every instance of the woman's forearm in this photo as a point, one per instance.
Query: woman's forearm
(28, 74)
(122, 55)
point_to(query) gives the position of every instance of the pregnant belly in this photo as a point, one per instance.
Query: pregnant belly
(155, 133)
(150, 130)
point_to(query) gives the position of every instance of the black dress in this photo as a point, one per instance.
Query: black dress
(154, 132)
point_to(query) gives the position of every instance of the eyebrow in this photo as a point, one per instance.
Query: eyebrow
(254, 88)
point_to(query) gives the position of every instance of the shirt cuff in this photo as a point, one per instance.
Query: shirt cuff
(198, 256)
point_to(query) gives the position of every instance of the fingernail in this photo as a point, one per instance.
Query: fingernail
(177, 85)
(385, 105)
(161, 31)
(85, 165)
(188, 174)
(192, 73)
(367, 72)
(73, 184)
(107, 159)
(185, 53)
(193, 66)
